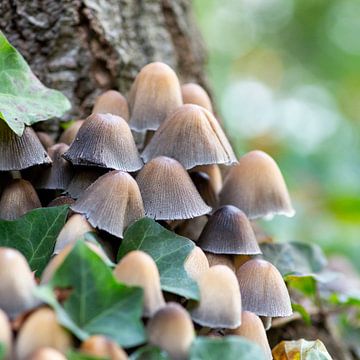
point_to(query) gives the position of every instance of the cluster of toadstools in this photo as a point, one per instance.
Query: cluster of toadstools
(162, 154)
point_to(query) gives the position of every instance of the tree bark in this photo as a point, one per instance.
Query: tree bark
(83, 47)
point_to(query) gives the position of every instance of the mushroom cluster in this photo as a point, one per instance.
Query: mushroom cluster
(161, 154)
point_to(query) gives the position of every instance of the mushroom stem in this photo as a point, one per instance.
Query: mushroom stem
(15, 174)
(266, 321)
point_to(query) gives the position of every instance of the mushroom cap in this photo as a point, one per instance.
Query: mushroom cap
(221, 259)
(214, 173)
(69, 135)
(228, 231)
(18, 198)
(172, 330)
(20, 152)
(105, 140)
(112, 102)
(252, 329)
(45, 139)
(191, 228)
(139, 269)
(17, 283)
(46, 353)
(263, 289)
(155, 93)
(59, 174)
(168, 192)
(41, 329)
(220, 299)
(192, 136)
(194, 94)
(61, 200)
(5, 334)
(196, 263)
(111, 203)
(256, 186)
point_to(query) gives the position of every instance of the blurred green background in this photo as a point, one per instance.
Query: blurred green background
(286, 80)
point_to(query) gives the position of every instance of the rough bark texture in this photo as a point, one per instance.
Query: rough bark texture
(83, 47)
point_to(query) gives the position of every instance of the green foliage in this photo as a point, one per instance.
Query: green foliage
(168, 250)
(34, 234)
(24, 100)
(2, 351)
(303, 312)
(149, 353)
(98, 304)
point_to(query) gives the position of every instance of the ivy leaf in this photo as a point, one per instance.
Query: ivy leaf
(226, 348)
(24, 100)
(34, 234)
(150, 353)
(2, 351)
(303, 312)
(97, 304)
(169, 252)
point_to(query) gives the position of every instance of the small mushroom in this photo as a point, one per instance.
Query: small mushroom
(256, 186)
(69, 135)
(228, 231)
(105, 140)
(154, 94)
(191, 228)
(111, 203)
(220, 299)
(45, 139)
(221, 259)
(214, 174)
(191, 135)
(18, 198)
(112, 102)
(139, 269)
(172, 330)
(203, 185)
(196, 263)
(5, 335)
(61, 200)
(46, 353)
(195, 94)
(168, 192)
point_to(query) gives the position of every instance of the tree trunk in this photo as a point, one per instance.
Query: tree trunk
(85, 47)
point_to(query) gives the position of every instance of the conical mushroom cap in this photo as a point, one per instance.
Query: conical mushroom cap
(105, 140)
(172, 330)
(220, 299)
(214, 173)
(5, 334)
(252, 329)
(69, 135)
(228, 231)
(196, 263)
(112, 102)
(59, 174)
(154, 94)
(192, 136)
(168, 192)
(46, 353)
(41, 329)
(256, 186)
(263, 289)
(139, 269)
(20, 152)
(195, 94)
(18, 198)
(111, 203)
(17, 283)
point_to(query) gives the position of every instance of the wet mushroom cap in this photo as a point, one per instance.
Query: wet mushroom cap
(191, 135)
(194, 94)
(112, 102)
(69, 135)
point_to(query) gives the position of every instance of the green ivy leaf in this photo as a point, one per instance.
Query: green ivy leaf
(303, 312)
(2, 351)
(226, 348)
(168, 250)
(34, 234)
(305, 284)
(149, 353)
(97, 304)
(24, 100)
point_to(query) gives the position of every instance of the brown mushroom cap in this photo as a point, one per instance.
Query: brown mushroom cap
(228, 231)
(168, 192)
(220, 299)
(112, 102)
(18, 198)
(172, 330)
(256, 186)
(18, 153)
(111, 203)
(69, 135)
(45, 139)
(139, 269)
(105, 140)
(195, 94)
(263, 289)
(214, 173)
(46, 353)
(154, 94)
(192, 136)
(5, 334)
(196, 263)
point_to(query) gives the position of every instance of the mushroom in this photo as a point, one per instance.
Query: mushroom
(45, 139)
(221, 259)
(192, 136)
(61, 200)
(195, 94)
(203, 185)
(69, 135)
(220, 299)
(17, 283)
(228, 231)
(18, 198)
(172, 330)
(154, 94)
(105, 140)
(196, 263)
(46, 353)
(214, 174)
(41, 329)
(137, 268)
(256, 186)
(5, 335)
(112, 102)
(168, 192)
(111, 203)
(191, 228)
